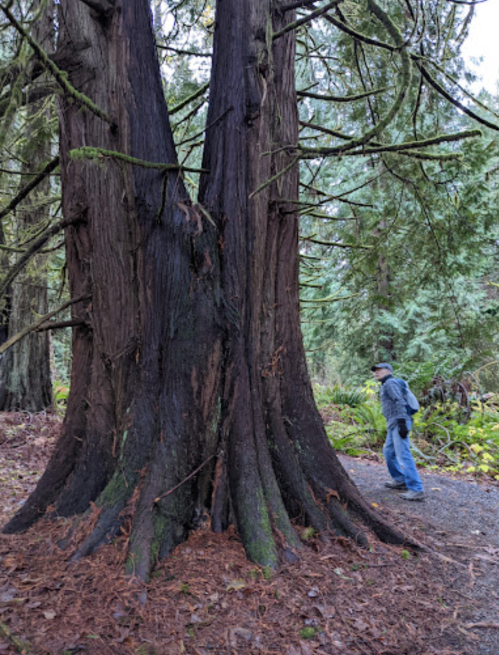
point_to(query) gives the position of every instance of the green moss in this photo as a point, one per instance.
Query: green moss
(308, 632)
(116, 490)
(161, 526)
(88, 152)
(258, 539)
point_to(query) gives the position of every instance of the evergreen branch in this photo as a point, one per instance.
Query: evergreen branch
(398, 148)
(326, 217)
(26, 190)
(21, 250)
(469, 95)
(34, 248)
(306, 19)
(28, 98)
(336, 244)
(394, 32)
(37, 324)
(60, 76)
(89, 152)
(333, 298)
(443, 92)
(357, 35)
(352, 98)
(202, 89)
(429, 156)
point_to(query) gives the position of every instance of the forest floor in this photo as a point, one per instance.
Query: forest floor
(208, 599)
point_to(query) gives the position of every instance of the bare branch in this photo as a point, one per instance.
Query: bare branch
(189, 53)
(306, 19)
(352, 98)
(202, 89)
(325, 130)
(34, 326)
(26, 190)
(35, 247)
(59, 325)
(336, 244)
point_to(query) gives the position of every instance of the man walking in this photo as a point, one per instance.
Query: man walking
(396, 450)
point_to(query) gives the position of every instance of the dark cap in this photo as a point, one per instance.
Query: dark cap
(383, 365)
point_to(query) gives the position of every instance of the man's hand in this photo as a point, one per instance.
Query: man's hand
(402, 425)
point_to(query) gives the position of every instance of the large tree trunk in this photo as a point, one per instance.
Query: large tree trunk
(25, 380)
(192, 355)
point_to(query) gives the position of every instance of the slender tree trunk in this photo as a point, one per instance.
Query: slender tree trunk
(25, 371)
(193, 359)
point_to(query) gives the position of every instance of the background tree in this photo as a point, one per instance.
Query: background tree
(26, 379)
(26, 104)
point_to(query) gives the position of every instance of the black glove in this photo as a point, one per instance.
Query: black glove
(403, 431)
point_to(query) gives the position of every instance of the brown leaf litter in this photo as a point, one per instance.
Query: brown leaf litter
(207, 598)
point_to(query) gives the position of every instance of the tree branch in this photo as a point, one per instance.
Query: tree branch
(190, 53)
(359, 96)
(306, 19)
(34, 326)
(89, 152)
(336, 244)
(35, 247)
(320, 128)
(357, 35)
(60, 76)
(58, 325)
(400, 147)
(26, 190)
(189, 99)
(443, 92)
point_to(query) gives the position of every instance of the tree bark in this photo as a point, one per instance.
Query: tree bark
(193, 360)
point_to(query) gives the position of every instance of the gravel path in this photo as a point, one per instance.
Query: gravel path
(461, 521)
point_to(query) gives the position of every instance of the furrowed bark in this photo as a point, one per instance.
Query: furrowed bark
(190, 385)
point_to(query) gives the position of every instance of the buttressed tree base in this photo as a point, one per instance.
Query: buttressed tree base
(188, 354)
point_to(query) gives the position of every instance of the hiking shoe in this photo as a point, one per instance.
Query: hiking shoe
(413, 495)
(393, 484)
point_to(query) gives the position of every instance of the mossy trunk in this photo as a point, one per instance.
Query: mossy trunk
(189, 380)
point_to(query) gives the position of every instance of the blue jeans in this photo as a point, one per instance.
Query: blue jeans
(399, 460)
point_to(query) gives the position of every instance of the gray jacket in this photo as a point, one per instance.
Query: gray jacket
(393, 403)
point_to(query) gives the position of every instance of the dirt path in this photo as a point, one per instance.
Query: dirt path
(461, 521)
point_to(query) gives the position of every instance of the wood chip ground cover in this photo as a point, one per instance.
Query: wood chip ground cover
(208, 599)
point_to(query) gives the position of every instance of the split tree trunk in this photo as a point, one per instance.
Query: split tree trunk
(191, 357)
